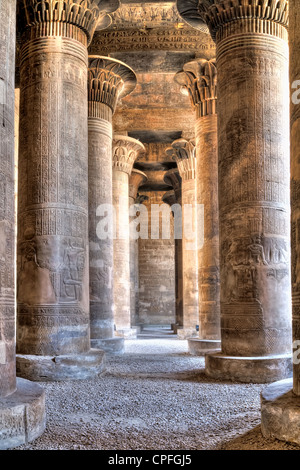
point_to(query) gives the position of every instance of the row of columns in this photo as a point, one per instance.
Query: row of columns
(70, 171)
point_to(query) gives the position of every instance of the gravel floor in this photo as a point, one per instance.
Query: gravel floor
(157, 397)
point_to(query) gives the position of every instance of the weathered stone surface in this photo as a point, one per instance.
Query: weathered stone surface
(280, 412)
(199, 347)
(53, 258)
(247, 369)
(125, 152)
(294, 38)
(156, 271)
(7, 190)
(198, 79)
(280, 403)
(22, 415)
(173, 178)
(111, 346)
(136, 179)
(108, 80)
(183, 153)
(64, 367)
(252, 59)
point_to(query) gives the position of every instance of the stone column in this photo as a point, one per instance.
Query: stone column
(125, 152)
(280, 401)
(173, 179)
(183, 152)
(198, 79)
(22, 404)
(53, 332)
(136, 179)
(253, 136)
(108, 79)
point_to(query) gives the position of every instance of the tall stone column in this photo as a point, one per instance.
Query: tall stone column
(108, 79)
(22, 404)
(172, 178)
(253, 136)
(183, 152)
(53, 331)
(198, 79)
(125, 152)
(136, 179)
(280, 401)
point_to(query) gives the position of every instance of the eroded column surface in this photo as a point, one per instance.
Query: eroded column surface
(125, 152)
(53, 333)
(108, 80)
(183, 152)
(22, 404)
(173, 178)
(253, 136)
(280, 411)
(294, 42)
(198, 79)
(136, 179)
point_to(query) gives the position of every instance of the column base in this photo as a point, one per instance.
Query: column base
(22, 415)
(66, 367)
(256, 369)
(280, 412)
(185, 333)
(175, 327)
(200, 347)
(109, 345)
(127, 333)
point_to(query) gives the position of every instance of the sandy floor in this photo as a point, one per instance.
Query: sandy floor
(156, 396)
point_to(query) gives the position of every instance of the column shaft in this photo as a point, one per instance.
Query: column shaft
(294, 38)
(108, 79)
(254, 192)
(53, 329)
(125, 152)
(183, 152)
(189, 253)
(7, 212)
(121, 251)
(208, 254)
(53, 300)
(101, 250)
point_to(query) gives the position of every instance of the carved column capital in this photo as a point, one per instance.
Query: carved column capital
(136, 179)
(108, 80)
(199, 80)
(184, 153)
(169, 197)
(77, 19)
(256, 15)
(172, 178)
(125, 152)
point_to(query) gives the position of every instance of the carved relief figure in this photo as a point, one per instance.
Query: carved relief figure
(34, 283)
(256, 251)
(72, 276)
